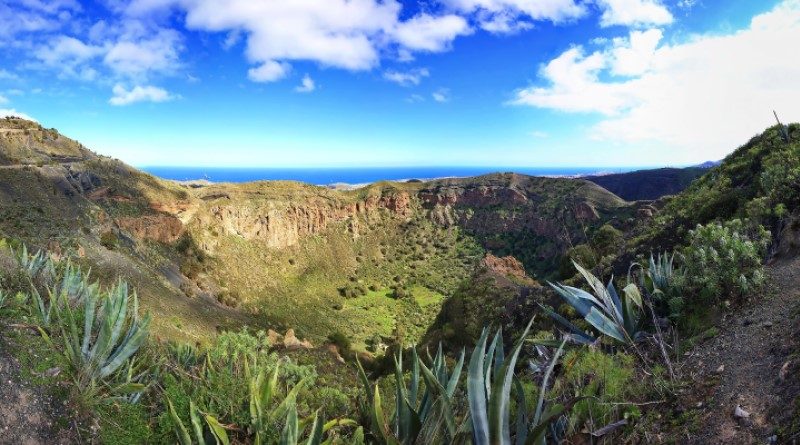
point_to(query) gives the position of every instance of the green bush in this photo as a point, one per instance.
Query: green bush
(109, 240)
(220, 384)
(607, 240)
(604, 379)
(582, 254)
(725, 260)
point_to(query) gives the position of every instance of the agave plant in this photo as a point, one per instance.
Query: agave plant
(216, 430)
(661, 274)
(262, 412)
(74, 284)
(489, 384)
(419, 414)
(36, 264)
(263, 415)
(98, 348)
(44, 307)
(609, 314)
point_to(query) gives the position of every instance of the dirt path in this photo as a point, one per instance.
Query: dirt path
(28, 415)
(745, 365)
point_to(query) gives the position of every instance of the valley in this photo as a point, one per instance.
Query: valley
(335, 286)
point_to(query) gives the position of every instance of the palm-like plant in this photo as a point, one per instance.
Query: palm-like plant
(36, 264)
(420, 410)
(262, 394)
(198, 434)
(97, 348)
(609, 314)
(489, 385)
(264, 413)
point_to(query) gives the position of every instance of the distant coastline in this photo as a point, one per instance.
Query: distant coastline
(359, 177)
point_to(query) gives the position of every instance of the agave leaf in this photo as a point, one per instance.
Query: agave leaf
(316, 431)
(415, 424)
(403, 417)
(476, 392)
(413, 389)
(537, 433)
(605, 325)
(617, 303)
(632, 293)
(456, 375)
(545, 381)
(138, 334)
(289, 436)
(500, 400)
(522, 414)
(579, 299)
(197, 427)
(440, 393)
(180, 428)
(593, 281)
(220, 435)
(380, 420)
(489, 361)
(289, 401)
(579, 335)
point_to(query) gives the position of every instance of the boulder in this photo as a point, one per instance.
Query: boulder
(291, 342)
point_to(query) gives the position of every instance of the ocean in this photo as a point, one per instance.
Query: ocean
(358, 175)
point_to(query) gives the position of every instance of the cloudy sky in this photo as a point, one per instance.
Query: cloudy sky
(598, 83)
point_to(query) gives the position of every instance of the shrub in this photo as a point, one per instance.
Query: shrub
(581, 254)
(603, 379)
(607, 240)
(220, 381)
(725, 260)
(109, 240)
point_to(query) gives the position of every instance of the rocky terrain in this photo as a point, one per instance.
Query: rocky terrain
(180, 241)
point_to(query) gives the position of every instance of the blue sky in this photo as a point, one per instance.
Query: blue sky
(597, 83)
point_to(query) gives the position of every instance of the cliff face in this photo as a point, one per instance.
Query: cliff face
(283, 223)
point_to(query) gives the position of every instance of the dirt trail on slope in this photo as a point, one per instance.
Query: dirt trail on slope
(749, 364)
(28, 415)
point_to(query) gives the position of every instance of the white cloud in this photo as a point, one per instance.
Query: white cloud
(503, 22)
(307, 85)
(633, 56)
(552, 10)
(709, 93)
(6, 112)
(633, 13)
(269, 71)
(415, 98)
(347, 34)
(65, 50)
(139, 93)
(441, 95)
(34, 16)
(3, 100)
(7, 75)
(406, 78)
(429, 33)
(141, 52)
(15, 92)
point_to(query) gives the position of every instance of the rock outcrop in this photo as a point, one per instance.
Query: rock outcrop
(282, 224)
(161, 228)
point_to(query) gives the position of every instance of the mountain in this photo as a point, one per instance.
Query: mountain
(284, 254)
(649, 184)
(367, 273)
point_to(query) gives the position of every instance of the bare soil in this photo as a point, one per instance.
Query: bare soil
(751, 364)
(29, 414)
